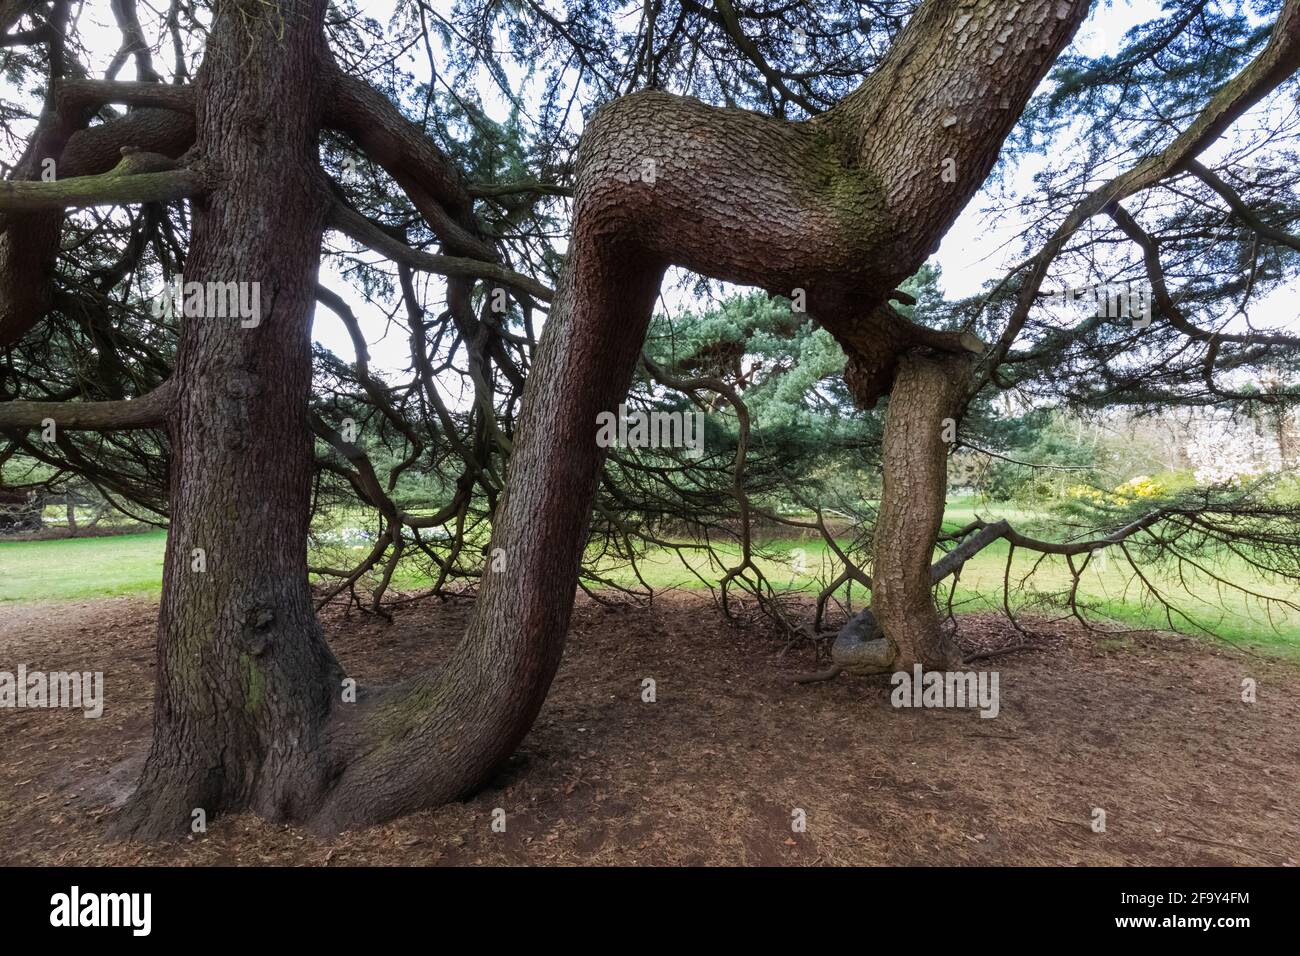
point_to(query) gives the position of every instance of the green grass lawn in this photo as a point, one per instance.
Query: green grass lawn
(131, 565)
(78, 568)
(1111, 590)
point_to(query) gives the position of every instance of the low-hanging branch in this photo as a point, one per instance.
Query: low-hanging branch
(979, 534)
(1045, 466)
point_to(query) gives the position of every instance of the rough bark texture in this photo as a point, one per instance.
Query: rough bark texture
(952, 88)
(245, 679)
(440, 736)
(927, 396)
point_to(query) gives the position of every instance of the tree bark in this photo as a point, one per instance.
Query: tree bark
(440, 736)
(920, 425)
(246, 681)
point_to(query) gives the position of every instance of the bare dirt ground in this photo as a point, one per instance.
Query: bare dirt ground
(1151, 729)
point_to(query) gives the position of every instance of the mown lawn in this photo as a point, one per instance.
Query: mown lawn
(131, 565)
(1110, 589)
(79, 568)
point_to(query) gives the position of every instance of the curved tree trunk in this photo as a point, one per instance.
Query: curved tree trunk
(440, 736)
(843, 207)
(836, 207)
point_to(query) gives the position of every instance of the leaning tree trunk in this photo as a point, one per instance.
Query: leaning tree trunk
(245, 679)
(440, 736)
(843, 207)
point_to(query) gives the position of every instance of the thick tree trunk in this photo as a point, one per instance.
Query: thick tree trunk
(919, 426)
(245, 679)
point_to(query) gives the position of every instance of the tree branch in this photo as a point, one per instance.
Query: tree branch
(427, 175)
(1164, 302)
(80, 94)
(1278, 60)
(133, 180)
(498, 190)
(147, 411)
(367, 233)
(731, 25)
(1243, 211)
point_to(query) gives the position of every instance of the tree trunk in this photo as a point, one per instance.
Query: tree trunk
(245, 679)
(901, 627)
(823, 208)
(920, 425)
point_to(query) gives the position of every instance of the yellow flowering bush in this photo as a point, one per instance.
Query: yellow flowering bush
(1143, 486)
(1087, 493)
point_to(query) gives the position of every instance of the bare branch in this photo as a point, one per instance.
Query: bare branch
(367, 233)
(147, 411)
(1243, 211)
